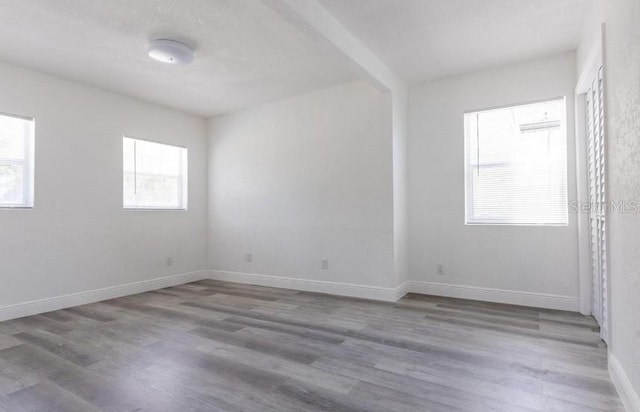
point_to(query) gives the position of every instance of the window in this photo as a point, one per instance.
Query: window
(516, 165)
(16, 161)
(155, 175)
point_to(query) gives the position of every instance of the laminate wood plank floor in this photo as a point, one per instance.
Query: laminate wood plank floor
(219, 346)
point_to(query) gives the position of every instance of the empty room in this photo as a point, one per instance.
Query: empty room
(320, 205)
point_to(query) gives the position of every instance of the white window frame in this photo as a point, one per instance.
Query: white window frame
(469, 218)
(183, 179)
(28, 166)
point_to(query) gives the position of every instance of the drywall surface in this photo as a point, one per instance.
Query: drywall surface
(302, 180)
(591, 34)
(622, 61)
(622, 89)
(516, 258)
(400, 185)
(77, 237)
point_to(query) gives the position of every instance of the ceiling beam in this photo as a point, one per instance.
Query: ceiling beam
(310, 16)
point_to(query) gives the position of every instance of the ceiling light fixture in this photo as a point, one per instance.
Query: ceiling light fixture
(170, 51)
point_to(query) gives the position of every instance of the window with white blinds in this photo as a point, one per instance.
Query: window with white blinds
(16, 161)
(516, 165)
(154, 175)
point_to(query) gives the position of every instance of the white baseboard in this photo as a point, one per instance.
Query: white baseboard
(628, 395)
(402, 290)
(513, 297)
(333, 288)
(387, 294)
(393, 294)
(81, 298)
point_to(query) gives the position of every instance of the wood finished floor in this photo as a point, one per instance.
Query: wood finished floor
(209, 346)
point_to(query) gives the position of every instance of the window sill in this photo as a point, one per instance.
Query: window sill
(516, 224)
(152, 209)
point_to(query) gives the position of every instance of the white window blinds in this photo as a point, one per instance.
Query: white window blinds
(516, 165)
(16, 161)
(154, 175)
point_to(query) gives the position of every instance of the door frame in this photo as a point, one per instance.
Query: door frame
(595, 60)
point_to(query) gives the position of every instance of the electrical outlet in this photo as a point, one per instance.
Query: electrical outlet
(325, 264)
(248, 257)
(440, 269)
(169, 261)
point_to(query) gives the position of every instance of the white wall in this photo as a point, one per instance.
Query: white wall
(400, 149)
(304, 179)
(622, 61)
(78, 237)
(622, 83)
(538, 260)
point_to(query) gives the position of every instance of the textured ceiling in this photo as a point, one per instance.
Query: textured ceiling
(246, 54)
(426, 39)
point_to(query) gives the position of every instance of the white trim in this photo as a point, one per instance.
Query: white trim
(393, 294)
(519, 103)
(585, 274)
(512, 297)
(628, 395)
(81, 298)
(387, 294)
(402, 290)
(589, 71)
(591, 66)
(605, 330)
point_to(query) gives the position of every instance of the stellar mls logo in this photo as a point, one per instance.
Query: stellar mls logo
(616, 206)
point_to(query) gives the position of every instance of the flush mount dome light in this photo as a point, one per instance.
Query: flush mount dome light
(170, 51)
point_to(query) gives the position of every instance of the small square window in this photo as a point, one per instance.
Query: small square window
(16, 161)
(154, 175)
(516, 165)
